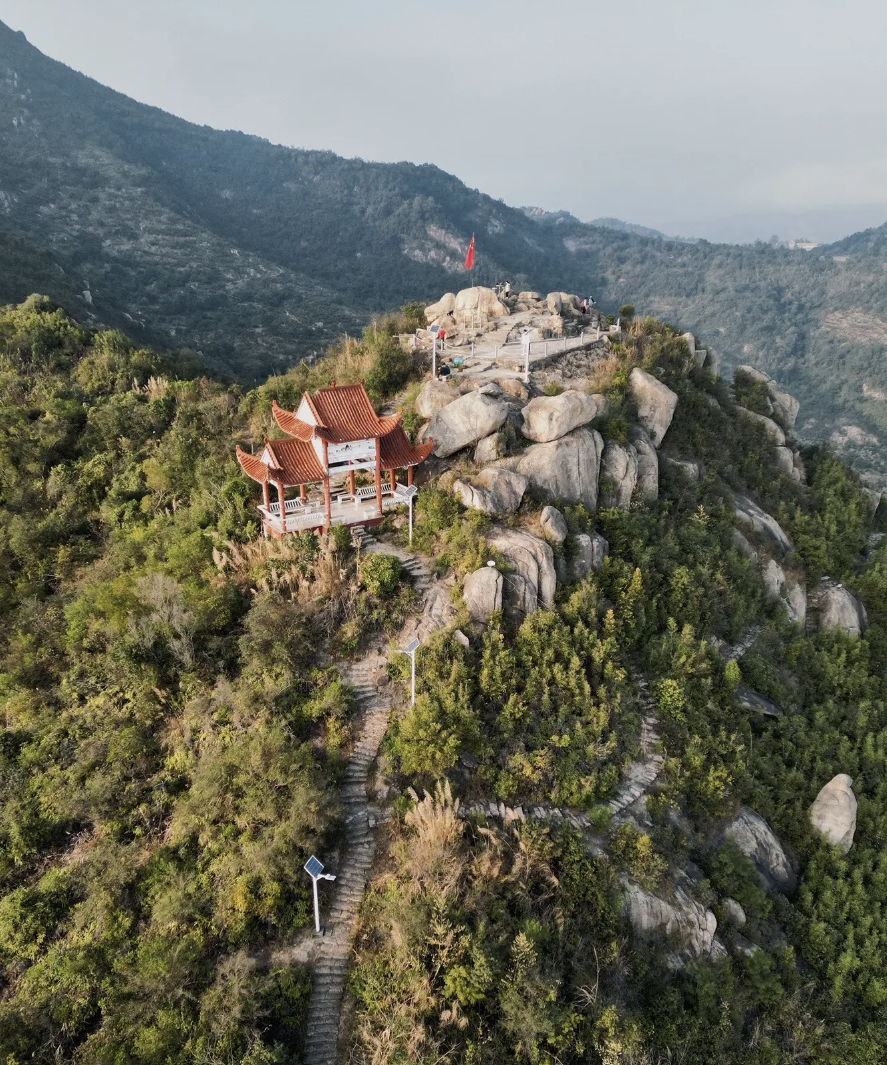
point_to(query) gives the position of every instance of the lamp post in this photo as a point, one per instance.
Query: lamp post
(314, 868)
(409, 494)
(526, 343)
(411, 648)
(435, 329)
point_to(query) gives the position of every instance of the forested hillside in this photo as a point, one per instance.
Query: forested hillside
(174, 737)
(172, 730)
(255, 255)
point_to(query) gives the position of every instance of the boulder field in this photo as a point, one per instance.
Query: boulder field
(567, 459)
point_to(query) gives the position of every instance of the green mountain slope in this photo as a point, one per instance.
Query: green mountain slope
(256, 254)
(174, 743)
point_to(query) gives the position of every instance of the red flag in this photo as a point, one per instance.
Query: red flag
(469, 258)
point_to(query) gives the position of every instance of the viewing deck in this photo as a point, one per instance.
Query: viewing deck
(347, 509)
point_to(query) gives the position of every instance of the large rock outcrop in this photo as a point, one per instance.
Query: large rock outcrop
(770, 429)
(465, 421)
(833, 813)
(444, 306)
(688, 468)
(564, 303)
(566, 469)
(494, 491)
(554, 524)
(784, 459)
(774, 577)
(647, 487)
(683, 918)
(756, 839)
(488, 450)
(795, 599)
(759, 704)
(656, 403)
(619, 475)
(744, 546)
(475, 305)
(750, 515)
(434, 396)
(785, 407)
(531, 582)
(840, 609)
(588, 551)
(482, 593)
(549, 418)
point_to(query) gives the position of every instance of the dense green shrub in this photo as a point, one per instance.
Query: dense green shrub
(381, 575)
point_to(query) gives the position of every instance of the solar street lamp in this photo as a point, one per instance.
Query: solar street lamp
(314, 868)
(409, 494)
(435, 329)
(411, 648)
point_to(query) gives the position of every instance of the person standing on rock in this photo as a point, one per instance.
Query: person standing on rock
(442, 337)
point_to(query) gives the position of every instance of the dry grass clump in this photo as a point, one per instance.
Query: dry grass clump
(431, 855)
(601, 376)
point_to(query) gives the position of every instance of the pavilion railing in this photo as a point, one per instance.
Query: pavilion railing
(347, 509)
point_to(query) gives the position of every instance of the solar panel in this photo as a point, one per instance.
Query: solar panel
(413, 645)
(313, 867)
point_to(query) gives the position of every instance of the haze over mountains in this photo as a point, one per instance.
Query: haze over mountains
(255, 254)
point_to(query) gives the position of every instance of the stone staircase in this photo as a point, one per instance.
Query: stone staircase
(419, 572)
(639, 777)
(355, 866)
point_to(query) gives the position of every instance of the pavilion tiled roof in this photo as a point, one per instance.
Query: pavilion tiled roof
(290, 424)
(293, 462)
(343, 413)
(397, 451)
(253, 467)
(297, 459)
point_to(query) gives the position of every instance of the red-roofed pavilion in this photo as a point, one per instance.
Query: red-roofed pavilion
(334, 433)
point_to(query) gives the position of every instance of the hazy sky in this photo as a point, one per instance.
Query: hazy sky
(674, 113)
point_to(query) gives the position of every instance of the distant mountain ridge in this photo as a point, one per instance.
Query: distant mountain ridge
(539, 214)
(256, 255)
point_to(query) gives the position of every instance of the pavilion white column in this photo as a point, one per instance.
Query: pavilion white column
(379, 476)
(326, 487)
(282, 498)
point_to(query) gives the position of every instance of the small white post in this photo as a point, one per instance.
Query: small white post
(411, 520)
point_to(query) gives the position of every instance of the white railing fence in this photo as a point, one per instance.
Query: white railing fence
(346, 509)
